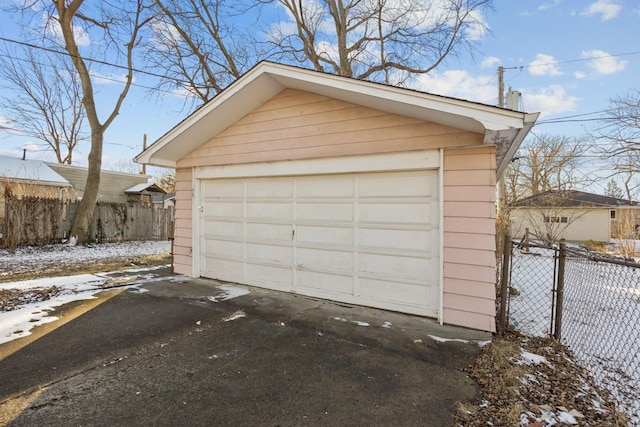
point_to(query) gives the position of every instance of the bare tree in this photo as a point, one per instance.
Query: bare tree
(546, 162)
(620, 126)
(619, 136)
(120, 26)
(197, 46)
(45, 101)
(378, 40)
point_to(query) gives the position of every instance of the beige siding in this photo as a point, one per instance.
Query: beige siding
(469, 237)
(299, 125)
(183, 243)
(581, 224)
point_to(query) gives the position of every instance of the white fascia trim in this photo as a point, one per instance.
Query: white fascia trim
(409, 160)
(529, 121)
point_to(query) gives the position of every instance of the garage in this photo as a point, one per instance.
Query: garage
(366, 238)
(343, 189)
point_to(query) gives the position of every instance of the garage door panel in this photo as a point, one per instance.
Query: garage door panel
(323, 282)
(409, 240)
(270, 210)
(397, 292)
(325, 212)
(223, 267)
(270, 253)
(394, 265)
(220, 209)
(225, 248)
(270, 189)
(329, 259)
(328, 187)
(400, 213)
(324, 235)
(229, 229)
(269, 232)
(269, 274)
(399, 185)
(222, 188)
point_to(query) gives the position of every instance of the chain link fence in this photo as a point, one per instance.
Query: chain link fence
(590, 303)
(601, 323)
(531, 290)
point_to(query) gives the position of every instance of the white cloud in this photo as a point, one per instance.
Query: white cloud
(544, 65)
(580, 75)
(52, 27)
(546, 6)
(7, 126)
(549, 100)
(478, 26)
(607, 9)
(490, 62)
(602, 62)
(460, 84)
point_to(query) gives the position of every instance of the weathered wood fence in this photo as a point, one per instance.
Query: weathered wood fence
(41, 221)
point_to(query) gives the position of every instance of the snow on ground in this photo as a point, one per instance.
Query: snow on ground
(228, 292)
(30, 303)
(600, 317)
(58, 256)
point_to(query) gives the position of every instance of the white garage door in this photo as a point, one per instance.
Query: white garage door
(367, 239)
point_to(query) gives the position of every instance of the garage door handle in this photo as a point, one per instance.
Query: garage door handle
(293, 234)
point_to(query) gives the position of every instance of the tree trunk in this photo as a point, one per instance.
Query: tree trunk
(80, 228)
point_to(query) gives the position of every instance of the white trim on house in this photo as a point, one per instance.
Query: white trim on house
(408, 160)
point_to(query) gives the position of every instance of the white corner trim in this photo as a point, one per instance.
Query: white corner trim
(441, 237)
(195, 228)
(409, 160)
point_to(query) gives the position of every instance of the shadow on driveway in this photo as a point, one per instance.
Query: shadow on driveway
(173, 355)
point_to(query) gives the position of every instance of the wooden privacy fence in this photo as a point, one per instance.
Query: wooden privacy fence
(40, 221)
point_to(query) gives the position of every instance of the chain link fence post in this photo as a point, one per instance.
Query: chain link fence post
(504, 282)
(562, 257)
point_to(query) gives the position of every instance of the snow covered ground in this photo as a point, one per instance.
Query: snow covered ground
(600, 317)
(29, 303)
(59, 256)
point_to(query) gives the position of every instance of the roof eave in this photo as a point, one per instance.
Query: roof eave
(267, 79)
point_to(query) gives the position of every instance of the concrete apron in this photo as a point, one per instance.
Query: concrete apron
(200, 353)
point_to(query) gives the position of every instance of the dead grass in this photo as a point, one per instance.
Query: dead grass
(511, 392)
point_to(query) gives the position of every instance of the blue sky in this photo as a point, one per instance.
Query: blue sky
(567, 57)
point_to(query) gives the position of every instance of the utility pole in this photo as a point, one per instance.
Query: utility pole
(144, 147)
(501, 86)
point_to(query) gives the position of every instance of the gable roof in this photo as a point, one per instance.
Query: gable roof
(145, 188)
(572, 198)
(33, 171)
(504, 128)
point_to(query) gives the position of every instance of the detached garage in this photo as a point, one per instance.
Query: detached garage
(343, 189)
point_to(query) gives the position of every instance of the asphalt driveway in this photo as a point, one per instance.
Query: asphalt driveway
(201, 353)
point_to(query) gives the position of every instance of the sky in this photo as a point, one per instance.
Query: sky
(568, 58)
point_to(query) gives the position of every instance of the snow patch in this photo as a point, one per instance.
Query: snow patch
(359, 323)
(387, 325)
(229, 292)
(460, 340)
(528, 358)
(235, 316)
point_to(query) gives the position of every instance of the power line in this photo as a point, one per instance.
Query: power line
(97, 61)
(519, 67)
